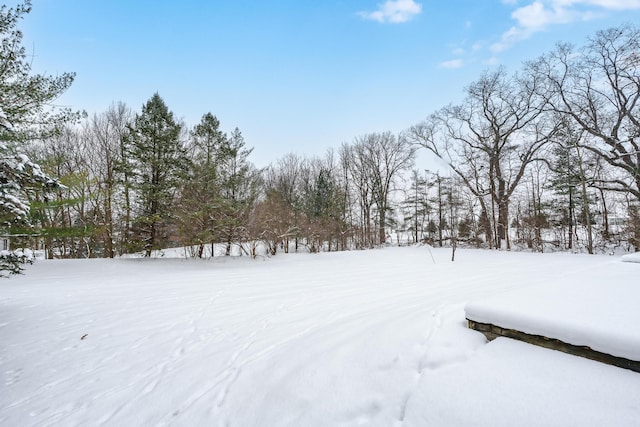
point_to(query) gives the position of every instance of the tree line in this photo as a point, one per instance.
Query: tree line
(140, 182)
(544, 158)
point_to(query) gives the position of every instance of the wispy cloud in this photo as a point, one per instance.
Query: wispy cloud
(540, 14)
(454, 63)
(394, 11)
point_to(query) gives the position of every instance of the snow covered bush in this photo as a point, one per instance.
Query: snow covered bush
(11, 261)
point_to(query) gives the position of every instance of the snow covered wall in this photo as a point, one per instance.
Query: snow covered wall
(596, 308)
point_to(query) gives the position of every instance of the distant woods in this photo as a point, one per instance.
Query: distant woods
(546, 158)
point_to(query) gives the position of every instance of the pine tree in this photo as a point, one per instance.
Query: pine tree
(417, 205)
(159, 162)
(239, 185)
(570, 183)
(321, 204)
(25, 99)
(198, 209)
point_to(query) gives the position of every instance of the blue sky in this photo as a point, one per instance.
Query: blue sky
(298, 76)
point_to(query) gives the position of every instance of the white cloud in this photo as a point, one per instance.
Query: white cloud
(540, 14)
(454, 63)
(613, 4)
(394, 11)
(537, 16)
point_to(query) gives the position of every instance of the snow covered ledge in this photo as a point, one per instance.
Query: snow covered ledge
(593, 316)
(492, 332)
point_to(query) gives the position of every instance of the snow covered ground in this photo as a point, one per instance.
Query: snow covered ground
(354, 338)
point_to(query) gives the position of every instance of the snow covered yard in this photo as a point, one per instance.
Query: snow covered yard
(355, 338)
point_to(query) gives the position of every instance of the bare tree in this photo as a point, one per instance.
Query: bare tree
(103, 135)
(353, 158)
(378, 159)
(282, 188)
(490, 139)
(68, 220)
(598, 88)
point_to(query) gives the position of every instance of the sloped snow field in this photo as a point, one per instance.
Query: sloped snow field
(340, 339)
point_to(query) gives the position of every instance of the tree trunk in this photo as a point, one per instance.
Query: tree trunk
(486, 222)
(454, 245)
(382, 231)
(440, 211)
(605, 216)
(503, 223)
(570, 218)
(585, 200)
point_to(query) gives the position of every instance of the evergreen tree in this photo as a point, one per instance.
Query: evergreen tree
(159, 162)
(570, 184)
(200, 199)
(24, 103)
(321, 208)
(216, 200)
(239, 185)
(564, 183)
(417, 206)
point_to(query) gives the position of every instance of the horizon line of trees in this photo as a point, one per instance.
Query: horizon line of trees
(544, 158)
(143, 182)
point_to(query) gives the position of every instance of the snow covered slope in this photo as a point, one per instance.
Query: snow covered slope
(357, 338)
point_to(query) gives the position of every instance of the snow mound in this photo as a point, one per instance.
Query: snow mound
(634, 257)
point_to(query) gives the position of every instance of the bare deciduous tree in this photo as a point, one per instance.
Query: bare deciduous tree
(103, 138)
(598, 88)
(377, 159)
(490, 139)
